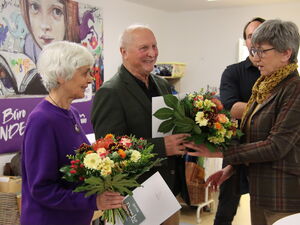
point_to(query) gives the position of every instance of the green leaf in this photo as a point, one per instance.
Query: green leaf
(171, 101)
(164, 113)
(180, 109)
(166, 126)
(184, 125)
(177, 115)
(179, 130)
(200, 161)
(239, 133)
(211, 147)
(197, 129)
(197, 138)
(122, 184)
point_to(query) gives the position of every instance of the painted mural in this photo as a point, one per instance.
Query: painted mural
(26, 26)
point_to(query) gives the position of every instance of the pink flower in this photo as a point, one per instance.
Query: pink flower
(126, 142)
(222, 118)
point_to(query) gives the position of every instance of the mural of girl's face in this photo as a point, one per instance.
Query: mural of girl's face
(47, 20)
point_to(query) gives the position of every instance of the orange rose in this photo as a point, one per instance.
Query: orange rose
(109, 136)
(218, 103)
(218, 126)
(122, 153)
(222, 118)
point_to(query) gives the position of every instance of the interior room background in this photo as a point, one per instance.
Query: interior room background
(206, 40)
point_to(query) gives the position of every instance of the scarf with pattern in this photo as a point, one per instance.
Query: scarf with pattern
(265, 84)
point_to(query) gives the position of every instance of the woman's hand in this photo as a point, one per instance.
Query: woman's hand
(202, 150)
(217, 178)
(109, 200)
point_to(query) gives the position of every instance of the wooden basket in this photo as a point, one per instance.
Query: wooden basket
(9, 213)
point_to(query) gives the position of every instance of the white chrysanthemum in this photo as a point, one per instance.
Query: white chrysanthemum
(200, 119)
(135, 155)
(106, 166)
(92, 161)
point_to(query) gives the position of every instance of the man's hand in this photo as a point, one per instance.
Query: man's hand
(174, 144)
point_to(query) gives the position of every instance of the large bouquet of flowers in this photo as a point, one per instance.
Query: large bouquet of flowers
(110, 164)
(200, 114)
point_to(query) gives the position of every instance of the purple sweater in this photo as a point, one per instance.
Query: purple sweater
(46, 198)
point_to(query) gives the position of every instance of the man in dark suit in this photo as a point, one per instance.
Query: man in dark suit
(235, 90)
(123, 105)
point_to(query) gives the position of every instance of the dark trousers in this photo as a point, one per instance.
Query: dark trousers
(228, 203)
(230, 194)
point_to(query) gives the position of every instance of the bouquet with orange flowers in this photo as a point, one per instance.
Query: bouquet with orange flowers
(202, 115)
(110, 164)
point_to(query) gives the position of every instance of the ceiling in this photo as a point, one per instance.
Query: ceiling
(188, 5)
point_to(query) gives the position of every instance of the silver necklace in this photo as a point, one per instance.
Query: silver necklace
(76, 127)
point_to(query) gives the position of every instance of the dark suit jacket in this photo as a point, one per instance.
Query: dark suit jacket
(273, 151)
(121, 107)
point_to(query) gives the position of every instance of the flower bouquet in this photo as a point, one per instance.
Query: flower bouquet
(200, 114)
(110, 164)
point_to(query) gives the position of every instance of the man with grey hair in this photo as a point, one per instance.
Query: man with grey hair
(123, 105)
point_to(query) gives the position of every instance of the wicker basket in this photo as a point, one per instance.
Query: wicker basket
(9, 213)
(195, 182)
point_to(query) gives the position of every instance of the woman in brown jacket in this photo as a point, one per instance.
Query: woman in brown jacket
(271, 123)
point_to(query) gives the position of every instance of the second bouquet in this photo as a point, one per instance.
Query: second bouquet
(112, 163)
(200, 114)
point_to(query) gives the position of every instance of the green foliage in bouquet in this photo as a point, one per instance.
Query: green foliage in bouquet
(110, 164)
(200, 114)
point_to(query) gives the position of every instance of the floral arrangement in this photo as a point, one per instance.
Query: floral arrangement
(110, 164)
(200, 114)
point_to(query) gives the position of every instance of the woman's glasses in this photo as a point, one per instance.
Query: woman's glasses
(258, 51)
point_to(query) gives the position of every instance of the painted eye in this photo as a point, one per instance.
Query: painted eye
(57, 13)
(34, 8)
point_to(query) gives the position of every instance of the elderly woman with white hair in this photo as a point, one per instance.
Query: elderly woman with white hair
(53, 131)
(271, 144)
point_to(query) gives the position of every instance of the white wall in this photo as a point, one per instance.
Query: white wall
(206, 40)
(209, 39)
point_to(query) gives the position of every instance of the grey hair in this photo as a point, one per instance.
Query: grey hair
(60, 60)
(126, 36)
(282, 35)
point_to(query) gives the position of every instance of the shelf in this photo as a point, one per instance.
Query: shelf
(171, 78)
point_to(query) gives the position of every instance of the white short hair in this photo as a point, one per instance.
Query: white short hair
(61, 59)
(126, 36)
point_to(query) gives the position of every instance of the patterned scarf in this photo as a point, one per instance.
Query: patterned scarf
(265, 84)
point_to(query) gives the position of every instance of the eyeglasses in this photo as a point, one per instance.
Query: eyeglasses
(259, 52)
